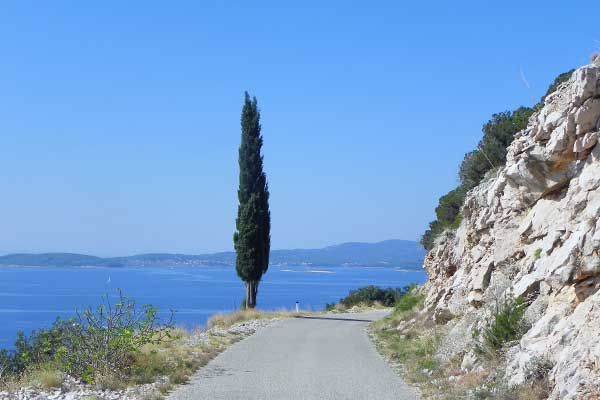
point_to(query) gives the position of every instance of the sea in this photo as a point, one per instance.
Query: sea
(33, 297)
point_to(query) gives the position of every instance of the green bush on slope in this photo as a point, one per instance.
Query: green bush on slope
(409, 301)
(448, 215)
(506, 325)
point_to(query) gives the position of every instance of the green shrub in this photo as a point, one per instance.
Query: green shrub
(557, 81)
(106, 338)
(498, 134)
(537, 254)
(506, 325)
(98, 343)
(370, 295)
(41, 347)
(448, 215)
(449, 207)
(428, 238)
(409, 300)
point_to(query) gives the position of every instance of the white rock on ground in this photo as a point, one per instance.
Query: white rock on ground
(533, 229)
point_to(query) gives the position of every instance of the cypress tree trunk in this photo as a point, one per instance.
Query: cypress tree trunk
(252, 239)
(251, 290)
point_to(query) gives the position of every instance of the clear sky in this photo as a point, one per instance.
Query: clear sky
(119, 121)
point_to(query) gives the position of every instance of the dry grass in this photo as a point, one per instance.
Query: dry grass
(534, 391)
(362, 307)
(45, 377)
(174, 358)
(413, 351)
(409, 339)
(226, 320)
(109, 382)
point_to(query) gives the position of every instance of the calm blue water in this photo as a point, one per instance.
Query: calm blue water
(32, 297)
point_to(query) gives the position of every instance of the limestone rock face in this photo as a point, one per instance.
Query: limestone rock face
(532, 229)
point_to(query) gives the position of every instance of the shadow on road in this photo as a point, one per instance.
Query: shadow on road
(335, 319)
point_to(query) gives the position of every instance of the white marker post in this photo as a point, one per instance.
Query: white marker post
(297, 307)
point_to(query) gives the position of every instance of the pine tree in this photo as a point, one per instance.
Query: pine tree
(252, 239)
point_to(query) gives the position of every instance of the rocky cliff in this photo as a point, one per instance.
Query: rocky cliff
(531, 230)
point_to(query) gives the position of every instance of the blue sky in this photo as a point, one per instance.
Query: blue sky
(119, 122)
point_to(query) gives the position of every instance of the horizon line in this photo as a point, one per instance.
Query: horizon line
(4, 254)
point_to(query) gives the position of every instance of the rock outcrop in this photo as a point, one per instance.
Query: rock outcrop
(532, 229)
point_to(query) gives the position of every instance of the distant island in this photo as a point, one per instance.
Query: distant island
(389, 253)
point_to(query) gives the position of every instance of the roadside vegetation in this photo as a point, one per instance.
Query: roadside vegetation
(227, 320)
(369, 297)
(489, 155)
(504, 327)
(411, 341)
(119, 345)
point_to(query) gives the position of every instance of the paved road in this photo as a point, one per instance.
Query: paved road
(328, 357)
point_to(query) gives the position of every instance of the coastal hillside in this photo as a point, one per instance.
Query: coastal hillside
(389, 253)
(527, 246)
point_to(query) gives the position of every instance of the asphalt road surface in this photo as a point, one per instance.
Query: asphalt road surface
(324, 357)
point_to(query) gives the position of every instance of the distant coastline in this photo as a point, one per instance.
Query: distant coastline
(403, 254)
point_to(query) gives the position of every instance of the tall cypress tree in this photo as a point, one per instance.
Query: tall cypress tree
(252, 239)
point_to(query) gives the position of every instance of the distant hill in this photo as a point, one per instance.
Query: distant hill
(50, 259)
(396, 253)
(389, 253)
